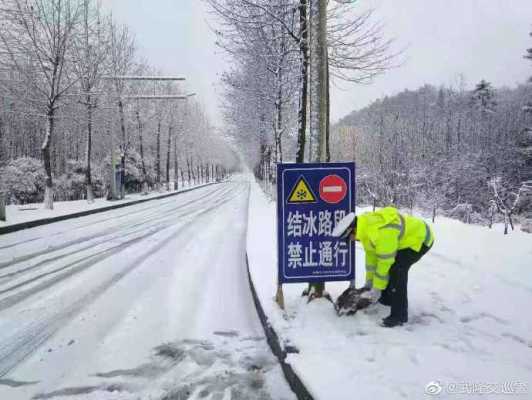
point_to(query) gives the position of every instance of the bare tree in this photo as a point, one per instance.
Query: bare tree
(122, 61)
(37, 37)
(358, 48)
(91, 49)
(68, 74)
(276, 37)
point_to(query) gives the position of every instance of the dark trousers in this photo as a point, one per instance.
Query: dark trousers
(396, 293)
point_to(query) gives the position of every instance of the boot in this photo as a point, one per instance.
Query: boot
(391, 321)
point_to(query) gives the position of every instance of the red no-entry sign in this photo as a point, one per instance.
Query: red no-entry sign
(333, 189)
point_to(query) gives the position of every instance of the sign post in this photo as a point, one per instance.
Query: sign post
(311, 200)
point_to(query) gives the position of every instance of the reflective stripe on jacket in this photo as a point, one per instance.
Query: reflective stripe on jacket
(383, 233)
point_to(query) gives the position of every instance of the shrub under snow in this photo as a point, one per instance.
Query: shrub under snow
(22, 180)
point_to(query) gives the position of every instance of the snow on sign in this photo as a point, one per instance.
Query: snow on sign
(311, 200)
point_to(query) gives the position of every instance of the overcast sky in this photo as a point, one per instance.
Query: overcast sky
(481, 39)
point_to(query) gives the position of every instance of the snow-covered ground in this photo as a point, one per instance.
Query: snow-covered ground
(470, 320)
(145, 302)
(17, 214)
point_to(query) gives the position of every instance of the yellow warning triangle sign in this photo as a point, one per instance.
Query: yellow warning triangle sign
(301, 193)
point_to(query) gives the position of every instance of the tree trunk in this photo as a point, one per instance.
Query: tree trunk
(3, 216)
(176, 167)
(142, 163)
(303, 49)
(188, 171)
(169, 146)
(279, 127)
(505, 223)
(122, 150)
(88, 177)
(49, 189)
(328, 117)
(158, 154)
(316, 290)
(322, 80)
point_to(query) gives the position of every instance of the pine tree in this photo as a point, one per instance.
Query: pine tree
(528, 54)
(484, 97)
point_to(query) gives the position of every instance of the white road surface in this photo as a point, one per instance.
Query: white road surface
(146, 302)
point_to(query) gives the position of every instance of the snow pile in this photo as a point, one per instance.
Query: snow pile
(469, 319)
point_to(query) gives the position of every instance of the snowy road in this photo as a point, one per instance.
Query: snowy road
(149, 301)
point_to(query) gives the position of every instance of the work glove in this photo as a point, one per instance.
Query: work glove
(372, 295)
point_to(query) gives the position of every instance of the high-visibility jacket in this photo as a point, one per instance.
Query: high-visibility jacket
(384, 232)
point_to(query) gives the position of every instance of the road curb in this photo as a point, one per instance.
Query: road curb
(45, 221)
(291, 377)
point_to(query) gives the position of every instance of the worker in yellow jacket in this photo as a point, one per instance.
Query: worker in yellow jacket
(393, 242)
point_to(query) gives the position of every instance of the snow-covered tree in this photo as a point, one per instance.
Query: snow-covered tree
(37, 37)
(56, 59)
(270, 45)
(122, 53)
(525, 149)
(91, 49)
(438, 143)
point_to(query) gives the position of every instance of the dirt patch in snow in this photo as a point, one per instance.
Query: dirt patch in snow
(225, 368)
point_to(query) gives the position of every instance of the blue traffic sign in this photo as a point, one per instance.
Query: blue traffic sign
(311, 200)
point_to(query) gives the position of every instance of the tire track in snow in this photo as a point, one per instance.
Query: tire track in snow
(151, 211)
(121, 213)
(115, 234)
(24, 342)
(85, 263)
